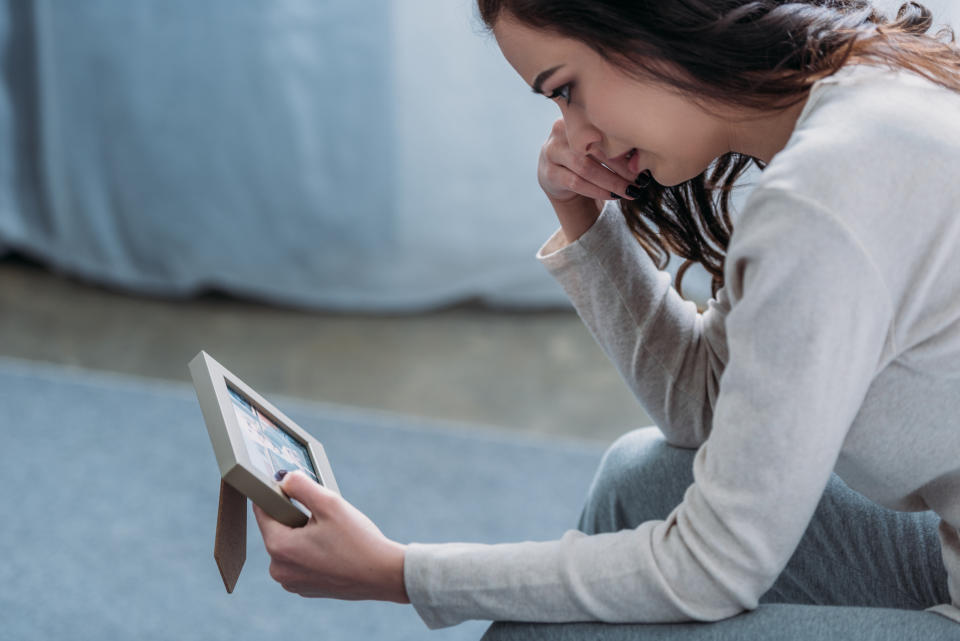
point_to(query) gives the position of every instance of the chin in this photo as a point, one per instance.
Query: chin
(672, 179)
(669, 181)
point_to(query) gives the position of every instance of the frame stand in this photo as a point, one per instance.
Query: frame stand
(230, 543)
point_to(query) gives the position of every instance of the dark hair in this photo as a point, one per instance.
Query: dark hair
(761, 54)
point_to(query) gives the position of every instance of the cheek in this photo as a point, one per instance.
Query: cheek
(675, 138)
(681, 152)
(691, 142)
(683, 133)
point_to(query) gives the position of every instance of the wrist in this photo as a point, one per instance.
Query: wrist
(394, 584)
(576, 215)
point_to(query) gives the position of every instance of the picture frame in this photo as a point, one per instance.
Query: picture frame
(252, 439)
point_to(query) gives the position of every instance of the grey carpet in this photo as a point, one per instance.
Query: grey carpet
(109, 497)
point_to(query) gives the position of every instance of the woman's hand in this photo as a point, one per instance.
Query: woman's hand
(577, 183)
(565, 174)
(338, 554)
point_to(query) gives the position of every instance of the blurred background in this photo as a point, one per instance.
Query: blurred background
(337, 200)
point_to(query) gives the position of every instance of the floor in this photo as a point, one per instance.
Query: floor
(537, 372)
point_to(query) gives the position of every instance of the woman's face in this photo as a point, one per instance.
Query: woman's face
(609, 114)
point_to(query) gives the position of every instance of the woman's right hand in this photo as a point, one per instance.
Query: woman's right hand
(577, 183)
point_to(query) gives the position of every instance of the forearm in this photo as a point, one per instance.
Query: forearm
(670, 356)
(612, 577)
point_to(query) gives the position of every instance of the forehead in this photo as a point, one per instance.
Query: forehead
(531, 51)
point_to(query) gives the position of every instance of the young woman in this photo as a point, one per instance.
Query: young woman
(832, 343)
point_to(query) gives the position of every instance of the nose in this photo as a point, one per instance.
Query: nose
(582, 136)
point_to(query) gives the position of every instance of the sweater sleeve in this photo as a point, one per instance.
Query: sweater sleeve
(669, 355)
(806, 333)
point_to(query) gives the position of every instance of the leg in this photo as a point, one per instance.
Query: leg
(640, 478)
(854, 553)
(858, 553)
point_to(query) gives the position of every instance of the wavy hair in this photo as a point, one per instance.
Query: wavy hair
(758, 54)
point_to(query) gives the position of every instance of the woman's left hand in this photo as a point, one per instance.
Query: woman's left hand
(338, 554)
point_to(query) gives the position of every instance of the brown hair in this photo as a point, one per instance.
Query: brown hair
(760, 54)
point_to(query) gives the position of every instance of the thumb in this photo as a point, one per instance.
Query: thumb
(301, 487)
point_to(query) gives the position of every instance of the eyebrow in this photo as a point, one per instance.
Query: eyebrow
(542, 77)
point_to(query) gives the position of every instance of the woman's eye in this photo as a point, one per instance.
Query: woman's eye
(563, 91)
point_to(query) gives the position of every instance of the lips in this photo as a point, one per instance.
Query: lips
(631, 158)
(633, 161)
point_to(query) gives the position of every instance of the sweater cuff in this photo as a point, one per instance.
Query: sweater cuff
(415, 570)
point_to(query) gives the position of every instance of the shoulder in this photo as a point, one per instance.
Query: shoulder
(873, 153)
(868, 127)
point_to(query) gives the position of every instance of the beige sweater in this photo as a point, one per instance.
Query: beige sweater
(834, 345)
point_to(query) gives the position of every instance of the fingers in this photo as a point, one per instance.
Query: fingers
(270, 529)
(296, 485)
(268, 524)
(586, 176)
(576, 184)
(620, 167)
(604, 174)
(299, 486)
(565, 173)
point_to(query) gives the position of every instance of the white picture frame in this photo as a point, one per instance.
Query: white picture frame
(251, 439)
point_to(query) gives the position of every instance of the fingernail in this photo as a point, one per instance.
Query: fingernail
(614, 196)
(280, 474)
(643, 179)
(633, 192)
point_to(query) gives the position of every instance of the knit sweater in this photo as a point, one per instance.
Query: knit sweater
(834, 345)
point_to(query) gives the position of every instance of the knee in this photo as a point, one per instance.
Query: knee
(641, 459)
(640, 478)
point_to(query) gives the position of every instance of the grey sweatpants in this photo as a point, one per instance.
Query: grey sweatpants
(861, 572)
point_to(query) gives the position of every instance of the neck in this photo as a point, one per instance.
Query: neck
(763, 136)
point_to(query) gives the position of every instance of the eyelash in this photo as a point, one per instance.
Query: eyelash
(563, 91)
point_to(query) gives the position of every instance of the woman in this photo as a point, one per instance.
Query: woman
(832, 341)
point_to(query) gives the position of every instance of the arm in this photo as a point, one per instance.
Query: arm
(806, 333)
(669, 355)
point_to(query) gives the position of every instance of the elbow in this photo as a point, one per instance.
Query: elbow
(682, 440)
(686, 426)
(716, 605)
(729, 604)
(713, 580)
